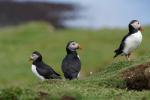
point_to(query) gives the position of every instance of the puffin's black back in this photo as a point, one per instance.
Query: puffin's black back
(121, 47)
(71, 66)
(46, 71)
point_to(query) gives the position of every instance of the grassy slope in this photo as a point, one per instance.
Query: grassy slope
(104, 85)
(17, 43)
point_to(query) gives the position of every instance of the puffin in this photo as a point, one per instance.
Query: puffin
(130, 41)
(40, 69)
(71, 64)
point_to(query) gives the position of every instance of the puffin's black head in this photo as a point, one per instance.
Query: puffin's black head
(135, 25)
(36, 56)
(72, 46)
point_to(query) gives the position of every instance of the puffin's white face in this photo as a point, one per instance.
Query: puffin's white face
(34, 57)
(73, 46)
(136, 25)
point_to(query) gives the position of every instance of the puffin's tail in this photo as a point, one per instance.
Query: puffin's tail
(117, 52)
(56, 76)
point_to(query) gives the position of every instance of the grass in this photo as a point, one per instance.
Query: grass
(106, 85)
(17, 81)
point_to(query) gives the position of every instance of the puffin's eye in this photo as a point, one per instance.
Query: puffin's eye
(73, 43)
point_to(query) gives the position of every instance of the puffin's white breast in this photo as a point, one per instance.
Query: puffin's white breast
(132, 42)
(78, 56)
(33, 68)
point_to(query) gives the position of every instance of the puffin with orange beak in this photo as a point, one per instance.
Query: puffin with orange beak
(131, 41)
(71, 64)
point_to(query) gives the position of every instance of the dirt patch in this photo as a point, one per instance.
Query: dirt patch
(42, 96)
(67, 98)
(137, 77)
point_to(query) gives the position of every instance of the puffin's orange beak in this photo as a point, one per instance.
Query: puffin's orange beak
(30, 59)
(141, 29)
(79, 47)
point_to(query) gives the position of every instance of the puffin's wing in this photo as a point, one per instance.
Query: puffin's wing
(71, 65)
(48, 72)
(121, 47)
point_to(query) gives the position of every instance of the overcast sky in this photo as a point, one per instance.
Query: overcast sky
(113, 13)
(109, 13)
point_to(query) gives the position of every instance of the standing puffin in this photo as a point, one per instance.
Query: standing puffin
(131, 41)
(42, 70)
(71, 64)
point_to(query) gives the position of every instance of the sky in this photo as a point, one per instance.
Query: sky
(108, 13)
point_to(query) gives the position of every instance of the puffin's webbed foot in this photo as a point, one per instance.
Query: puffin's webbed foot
(128, 57)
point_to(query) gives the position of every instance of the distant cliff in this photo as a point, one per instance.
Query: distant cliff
(13, 12)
